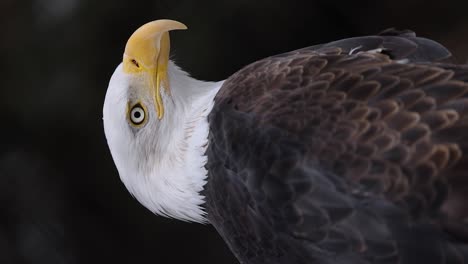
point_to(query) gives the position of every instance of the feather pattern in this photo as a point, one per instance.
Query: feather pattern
(353, 151)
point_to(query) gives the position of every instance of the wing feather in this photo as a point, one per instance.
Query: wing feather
(343, 154)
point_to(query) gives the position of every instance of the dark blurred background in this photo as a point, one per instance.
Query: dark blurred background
(61, 200)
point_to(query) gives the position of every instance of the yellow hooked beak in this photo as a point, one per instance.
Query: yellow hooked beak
(147, 52)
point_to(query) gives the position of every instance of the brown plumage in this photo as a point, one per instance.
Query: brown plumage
(354, 151)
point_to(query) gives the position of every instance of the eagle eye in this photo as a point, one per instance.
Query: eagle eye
(137, 115)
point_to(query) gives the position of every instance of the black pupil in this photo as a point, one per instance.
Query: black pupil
(137, 114)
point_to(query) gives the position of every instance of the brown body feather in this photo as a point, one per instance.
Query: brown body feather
(385, 125)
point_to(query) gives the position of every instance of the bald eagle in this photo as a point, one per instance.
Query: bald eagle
(355, 151)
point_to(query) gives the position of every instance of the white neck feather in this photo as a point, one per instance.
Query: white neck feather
(165, 168)
(184, 171)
